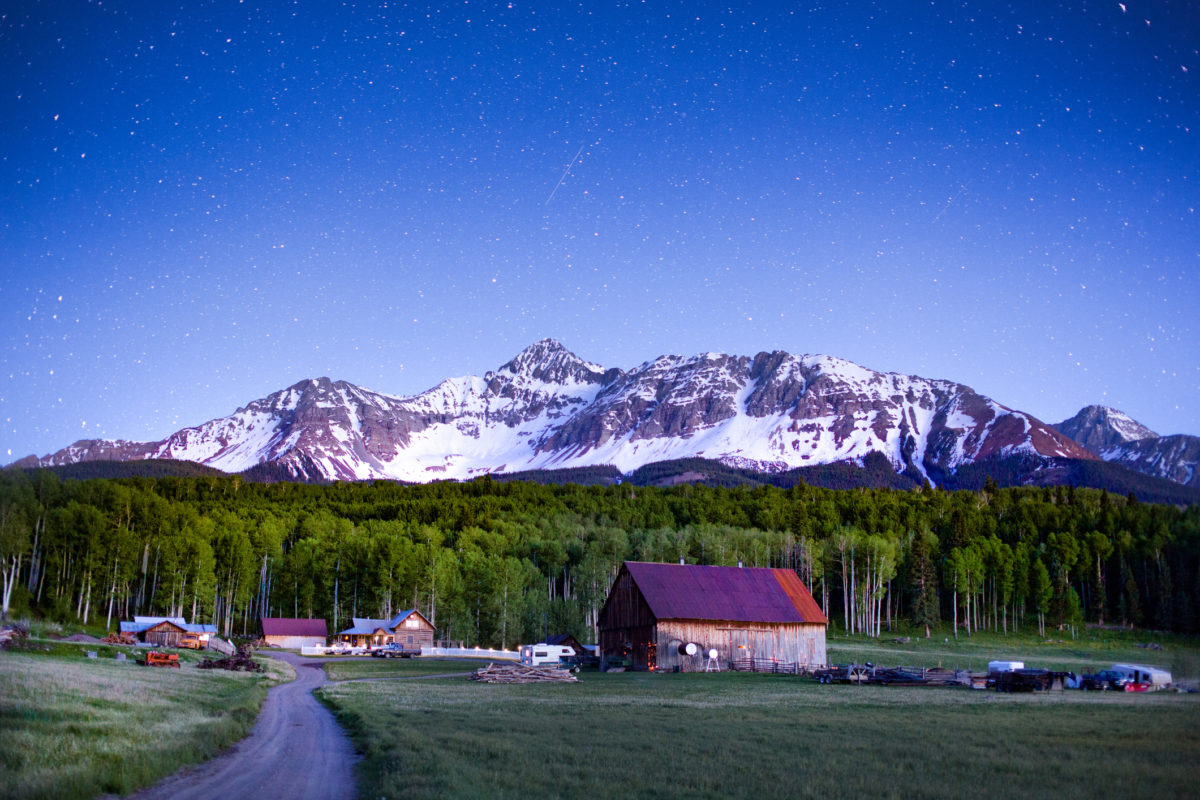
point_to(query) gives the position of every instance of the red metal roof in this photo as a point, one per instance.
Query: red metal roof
(287, 626)
(747, 594)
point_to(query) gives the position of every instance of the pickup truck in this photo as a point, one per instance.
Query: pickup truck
(1104, 680)
(394, 650)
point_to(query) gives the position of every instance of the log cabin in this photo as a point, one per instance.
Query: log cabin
(408, 628)
(654, 611)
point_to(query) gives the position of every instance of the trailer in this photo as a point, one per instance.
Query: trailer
(541, 654)
(870, 674)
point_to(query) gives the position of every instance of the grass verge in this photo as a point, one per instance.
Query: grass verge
(344, 670)
(739, 735)
(77, 727)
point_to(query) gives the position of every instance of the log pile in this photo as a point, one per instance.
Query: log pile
(519, 673)
(242, 662)
(9, 633)
(120, 638)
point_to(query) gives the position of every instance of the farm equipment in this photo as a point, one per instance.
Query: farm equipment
(1027, 680)
(864, 674)
(156, 659)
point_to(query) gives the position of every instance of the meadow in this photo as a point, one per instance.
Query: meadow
(71, 726)
(744, 735)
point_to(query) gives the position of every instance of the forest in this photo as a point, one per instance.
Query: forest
(494, 563)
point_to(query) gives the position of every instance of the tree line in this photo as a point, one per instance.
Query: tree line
(495, 563)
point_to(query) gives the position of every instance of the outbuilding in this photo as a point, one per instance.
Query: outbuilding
(293, 633)
(166, 631)
(674, 616)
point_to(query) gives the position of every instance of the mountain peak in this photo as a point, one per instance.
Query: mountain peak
(549, 361)
(1101, 427)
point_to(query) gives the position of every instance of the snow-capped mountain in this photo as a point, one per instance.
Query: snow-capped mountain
(548, 409)
(1100, 427)
(1114, 436)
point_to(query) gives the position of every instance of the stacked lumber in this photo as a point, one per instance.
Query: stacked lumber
(519, 673)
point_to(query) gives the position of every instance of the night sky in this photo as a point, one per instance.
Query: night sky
(202, 203)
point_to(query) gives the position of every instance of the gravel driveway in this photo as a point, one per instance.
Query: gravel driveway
(296, 751)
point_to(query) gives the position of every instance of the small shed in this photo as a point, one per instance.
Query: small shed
(166, 631)
(293, 633)
(655, 611)
(408, 628)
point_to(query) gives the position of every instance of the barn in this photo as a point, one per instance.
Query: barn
(166, 631)
(293, 633)
(408, 628)
(654, 611)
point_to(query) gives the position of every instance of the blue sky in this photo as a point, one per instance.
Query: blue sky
(203, 203)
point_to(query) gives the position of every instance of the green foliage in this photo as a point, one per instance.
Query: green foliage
(496, 562)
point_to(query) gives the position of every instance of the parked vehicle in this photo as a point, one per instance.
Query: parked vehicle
(157, 659)
(395, 650)
(191, 641)
(1152, 678)
(542, 654)
(1104, 680)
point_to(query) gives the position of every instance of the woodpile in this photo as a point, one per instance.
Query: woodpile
(11, 632)
(519, 673)
(120, 638)
(242, 662)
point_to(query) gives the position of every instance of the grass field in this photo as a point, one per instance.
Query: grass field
(738, 735)
(351, 669)
(76, 727)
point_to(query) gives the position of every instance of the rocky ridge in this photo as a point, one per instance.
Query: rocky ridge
(549, 409)
(1114, 436)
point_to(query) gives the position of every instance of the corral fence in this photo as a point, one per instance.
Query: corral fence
(769, 665)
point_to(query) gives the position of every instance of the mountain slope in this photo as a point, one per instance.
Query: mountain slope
(1116, 437)
(548, 409)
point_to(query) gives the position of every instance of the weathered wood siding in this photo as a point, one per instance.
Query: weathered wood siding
(626, 626)
(797, 643)
(164, 634)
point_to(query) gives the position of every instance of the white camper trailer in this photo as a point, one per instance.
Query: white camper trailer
(536, 655)
(1153, 677)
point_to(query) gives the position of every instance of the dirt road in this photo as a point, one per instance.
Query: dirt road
(296, 751)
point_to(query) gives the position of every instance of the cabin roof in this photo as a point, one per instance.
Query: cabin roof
(745, 594)
(367, 626)
(292, 626)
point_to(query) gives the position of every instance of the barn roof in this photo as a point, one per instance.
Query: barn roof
(291, 626)
(746, 594)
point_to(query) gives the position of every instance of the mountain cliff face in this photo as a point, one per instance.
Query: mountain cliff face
(1100, 427)
(549, 409)
(1114, 436)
